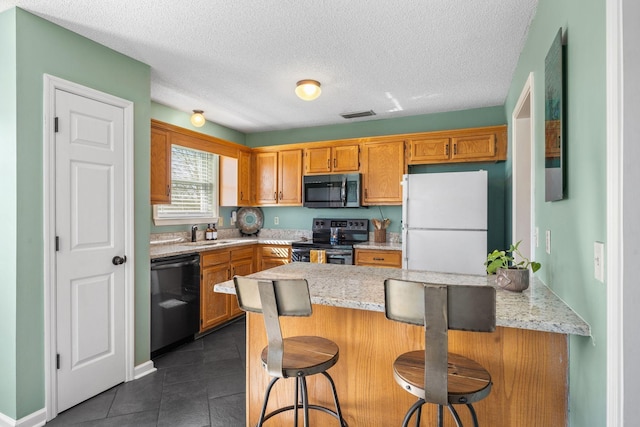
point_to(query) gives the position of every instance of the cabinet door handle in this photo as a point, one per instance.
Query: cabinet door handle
(455, 149)
(281, 195)
(335, 162)
(275, 195)
(168, 190)
(328, 163)
(446, 150)
(241, 197)
(378, 259)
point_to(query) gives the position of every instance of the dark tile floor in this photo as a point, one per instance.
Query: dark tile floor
(198, 384)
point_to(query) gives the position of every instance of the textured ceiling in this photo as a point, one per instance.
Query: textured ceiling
(239, 61)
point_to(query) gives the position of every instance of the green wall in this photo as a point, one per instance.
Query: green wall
(42, 47)
(579, 220)
(8, 214)
(180, 118)
(300, 218)
(489, 116)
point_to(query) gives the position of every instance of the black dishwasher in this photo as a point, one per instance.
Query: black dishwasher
(175, 301)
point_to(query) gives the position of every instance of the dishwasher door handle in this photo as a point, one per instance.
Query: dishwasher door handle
(174, 264)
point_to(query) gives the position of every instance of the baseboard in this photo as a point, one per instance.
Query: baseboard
(143, 369)
(36, 419)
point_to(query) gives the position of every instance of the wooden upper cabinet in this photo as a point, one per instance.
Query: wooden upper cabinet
(160, 167)
(290, 177)
(234, 180)
(332, 159)
(474, 147)
(458, 146)
(266, 178)
(382, 170)
(425, 150)
(244, 178)
(278, 178)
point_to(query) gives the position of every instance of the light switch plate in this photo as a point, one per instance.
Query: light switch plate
(598, 261)
(548, 241)
(276, 220)
(220, 221)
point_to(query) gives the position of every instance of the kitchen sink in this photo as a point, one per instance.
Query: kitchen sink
(202, 243)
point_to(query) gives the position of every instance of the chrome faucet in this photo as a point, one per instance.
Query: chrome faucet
(194, 229)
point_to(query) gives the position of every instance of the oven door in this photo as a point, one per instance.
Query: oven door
(333, 256)
(300, 254)
(339, 256)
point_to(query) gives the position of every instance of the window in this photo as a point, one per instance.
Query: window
(194, 188)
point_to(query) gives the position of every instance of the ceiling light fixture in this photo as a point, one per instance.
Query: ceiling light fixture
(197, 118)
(308, 90)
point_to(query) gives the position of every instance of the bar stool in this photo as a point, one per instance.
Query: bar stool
(298, 356)
(434, 375)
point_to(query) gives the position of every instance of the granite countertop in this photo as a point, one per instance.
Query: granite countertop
(178, 248)
(537, 308)
(379, 246)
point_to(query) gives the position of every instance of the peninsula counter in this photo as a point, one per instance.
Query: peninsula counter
(527, 355)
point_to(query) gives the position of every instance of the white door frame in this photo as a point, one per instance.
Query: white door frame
(623, 210)
(526, 96)
(51, 84)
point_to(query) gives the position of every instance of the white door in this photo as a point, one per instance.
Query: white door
(90, 218)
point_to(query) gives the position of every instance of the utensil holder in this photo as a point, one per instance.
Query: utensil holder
(380, 236)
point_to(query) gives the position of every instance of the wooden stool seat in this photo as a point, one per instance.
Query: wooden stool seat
(434, 375)
(468, 381)
(305, 355)
(291, 357)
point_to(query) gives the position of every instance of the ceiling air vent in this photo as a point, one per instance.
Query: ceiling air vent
(358, 114)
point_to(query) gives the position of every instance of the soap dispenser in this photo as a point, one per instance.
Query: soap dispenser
(208, 234)
(214, 232)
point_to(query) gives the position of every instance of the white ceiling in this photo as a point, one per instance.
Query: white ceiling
(239, 60)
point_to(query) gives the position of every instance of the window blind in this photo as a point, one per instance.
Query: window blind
(193, 185)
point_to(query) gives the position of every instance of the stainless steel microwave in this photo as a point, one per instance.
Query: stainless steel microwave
(331, 191)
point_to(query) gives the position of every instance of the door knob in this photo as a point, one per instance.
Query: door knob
(117, 260)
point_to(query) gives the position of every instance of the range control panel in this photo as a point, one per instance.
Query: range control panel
(321, 224)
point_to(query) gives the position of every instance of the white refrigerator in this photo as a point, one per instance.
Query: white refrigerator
(444, 222)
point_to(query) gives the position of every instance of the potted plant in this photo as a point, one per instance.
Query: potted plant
(512, 275)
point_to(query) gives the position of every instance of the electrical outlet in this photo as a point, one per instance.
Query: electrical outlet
(220, 221)
(598, 261)
(548, 241)
(234, 217)
(276, 220)
(537, 234)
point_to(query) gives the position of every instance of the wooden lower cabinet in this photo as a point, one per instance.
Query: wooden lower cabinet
(216, 267)
(378, 258)
(270, 256)
(242, 264)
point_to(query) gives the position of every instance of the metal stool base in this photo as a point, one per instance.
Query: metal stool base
(301, 388)
(417, 409)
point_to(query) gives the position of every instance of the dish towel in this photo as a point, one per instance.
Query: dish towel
(318, 256)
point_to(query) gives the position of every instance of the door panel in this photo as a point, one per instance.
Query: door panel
(446, 251)
(90, 208)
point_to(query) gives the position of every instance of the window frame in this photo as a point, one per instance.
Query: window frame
(163, 221)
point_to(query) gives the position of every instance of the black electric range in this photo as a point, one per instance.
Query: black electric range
(336, 236)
